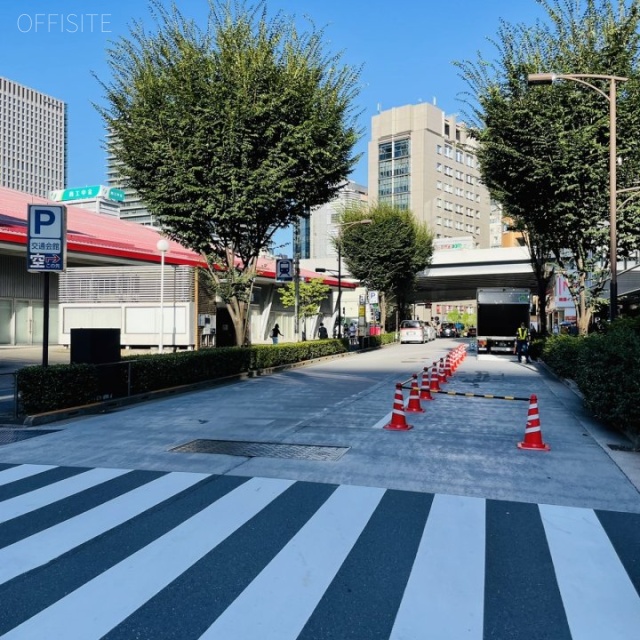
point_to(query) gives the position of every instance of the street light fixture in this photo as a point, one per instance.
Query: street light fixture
(344, 225)
(581, 78)
(163, 247)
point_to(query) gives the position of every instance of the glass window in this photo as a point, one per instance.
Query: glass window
(384, 151)
(401, 148)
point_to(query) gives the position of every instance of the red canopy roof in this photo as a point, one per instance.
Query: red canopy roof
(95, 234)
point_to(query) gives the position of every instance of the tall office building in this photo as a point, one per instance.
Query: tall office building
(33, 140)
(423, 160)
(132, 208)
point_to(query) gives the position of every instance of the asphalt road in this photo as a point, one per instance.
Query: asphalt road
(120, 525)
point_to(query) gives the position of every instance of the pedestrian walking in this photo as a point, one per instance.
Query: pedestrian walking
(323, 334)
(353, 334)
(275, 333)
(522, 342)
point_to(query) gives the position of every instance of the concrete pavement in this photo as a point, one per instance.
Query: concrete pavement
(459, 445)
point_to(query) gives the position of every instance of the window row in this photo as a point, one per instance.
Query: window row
(459, 226)
(394, 149)
(449, 152)
(400, 200)
(389, 168)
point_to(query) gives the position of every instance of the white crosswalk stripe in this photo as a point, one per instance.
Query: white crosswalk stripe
(21, 472)
(445, 591)
(301, 572)
(176, 523)
(40, 548)
(598, 596)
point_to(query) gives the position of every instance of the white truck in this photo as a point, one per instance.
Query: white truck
(500, 310)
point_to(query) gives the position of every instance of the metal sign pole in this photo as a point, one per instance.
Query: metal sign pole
(45, 323)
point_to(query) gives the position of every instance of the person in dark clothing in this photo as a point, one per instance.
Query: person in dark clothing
(323, 334)
(275, 333)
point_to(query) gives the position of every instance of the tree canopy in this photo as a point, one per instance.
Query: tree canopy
(543, 151)
(387, 254)
(230, 131)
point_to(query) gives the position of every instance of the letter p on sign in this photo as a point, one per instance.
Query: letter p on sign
(45, 222)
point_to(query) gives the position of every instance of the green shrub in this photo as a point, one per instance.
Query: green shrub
(561, 354)
(536, 347)
(43, 389)
(608, 375)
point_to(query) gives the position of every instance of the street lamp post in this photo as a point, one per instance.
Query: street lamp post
(163, 247)
(582, 78)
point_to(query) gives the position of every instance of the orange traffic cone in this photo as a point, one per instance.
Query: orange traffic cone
(434, 384)
(448, 369)
(425, 392)
(442, 376)
(398, 420)
(532, 432)
(413, 405)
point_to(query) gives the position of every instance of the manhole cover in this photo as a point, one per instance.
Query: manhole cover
(7, 436)
(621, 447)
(263, 449)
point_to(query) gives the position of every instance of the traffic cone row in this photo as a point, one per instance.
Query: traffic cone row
(431, 383)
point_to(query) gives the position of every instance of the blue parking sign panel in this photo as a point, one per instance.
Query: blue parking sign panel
(47, 237)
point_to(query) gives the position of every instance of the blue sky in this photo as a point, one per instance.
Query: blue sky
(406, 49)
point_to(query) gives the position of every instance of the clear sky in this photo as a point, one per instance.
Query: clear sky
(406, 49)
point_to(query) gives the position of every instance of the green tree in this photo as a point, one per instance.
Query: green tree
(311, 295)
(544, 151)
(387, 254)
(230, 132)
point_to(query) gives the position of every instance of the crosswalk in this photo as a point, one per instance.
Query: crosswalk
(121, 554)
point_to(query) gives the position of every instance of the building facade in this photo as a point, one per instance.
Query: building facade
(131, 208)
(33, 140)
(323, 224)
(423, 160)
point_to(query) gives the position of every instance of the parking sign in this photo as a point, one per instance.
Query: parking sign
(47, 237)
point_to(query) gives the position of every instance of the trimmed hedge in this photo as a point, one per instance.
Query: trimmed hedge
(606, 368)
(561, 353)
(43, 389)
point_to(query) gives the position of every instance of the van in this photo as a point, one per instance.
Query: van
(413, 331)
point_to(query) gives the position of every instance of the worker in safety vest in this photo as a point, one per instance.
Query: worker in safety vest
(522, 342)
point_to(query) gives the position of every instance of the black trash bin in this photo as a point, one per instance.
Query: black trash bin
(95, 346)
(102, 348)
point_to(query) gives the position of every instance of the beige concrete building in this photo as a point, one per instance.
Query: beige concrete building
(422, 159)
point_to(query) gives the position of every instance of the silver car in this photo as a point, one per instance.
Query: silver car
(414, 331)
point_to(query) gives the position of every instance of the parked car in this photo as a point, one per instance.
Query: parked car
(413, 331)
(472, 332)
(431, 331)
(449, 330)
